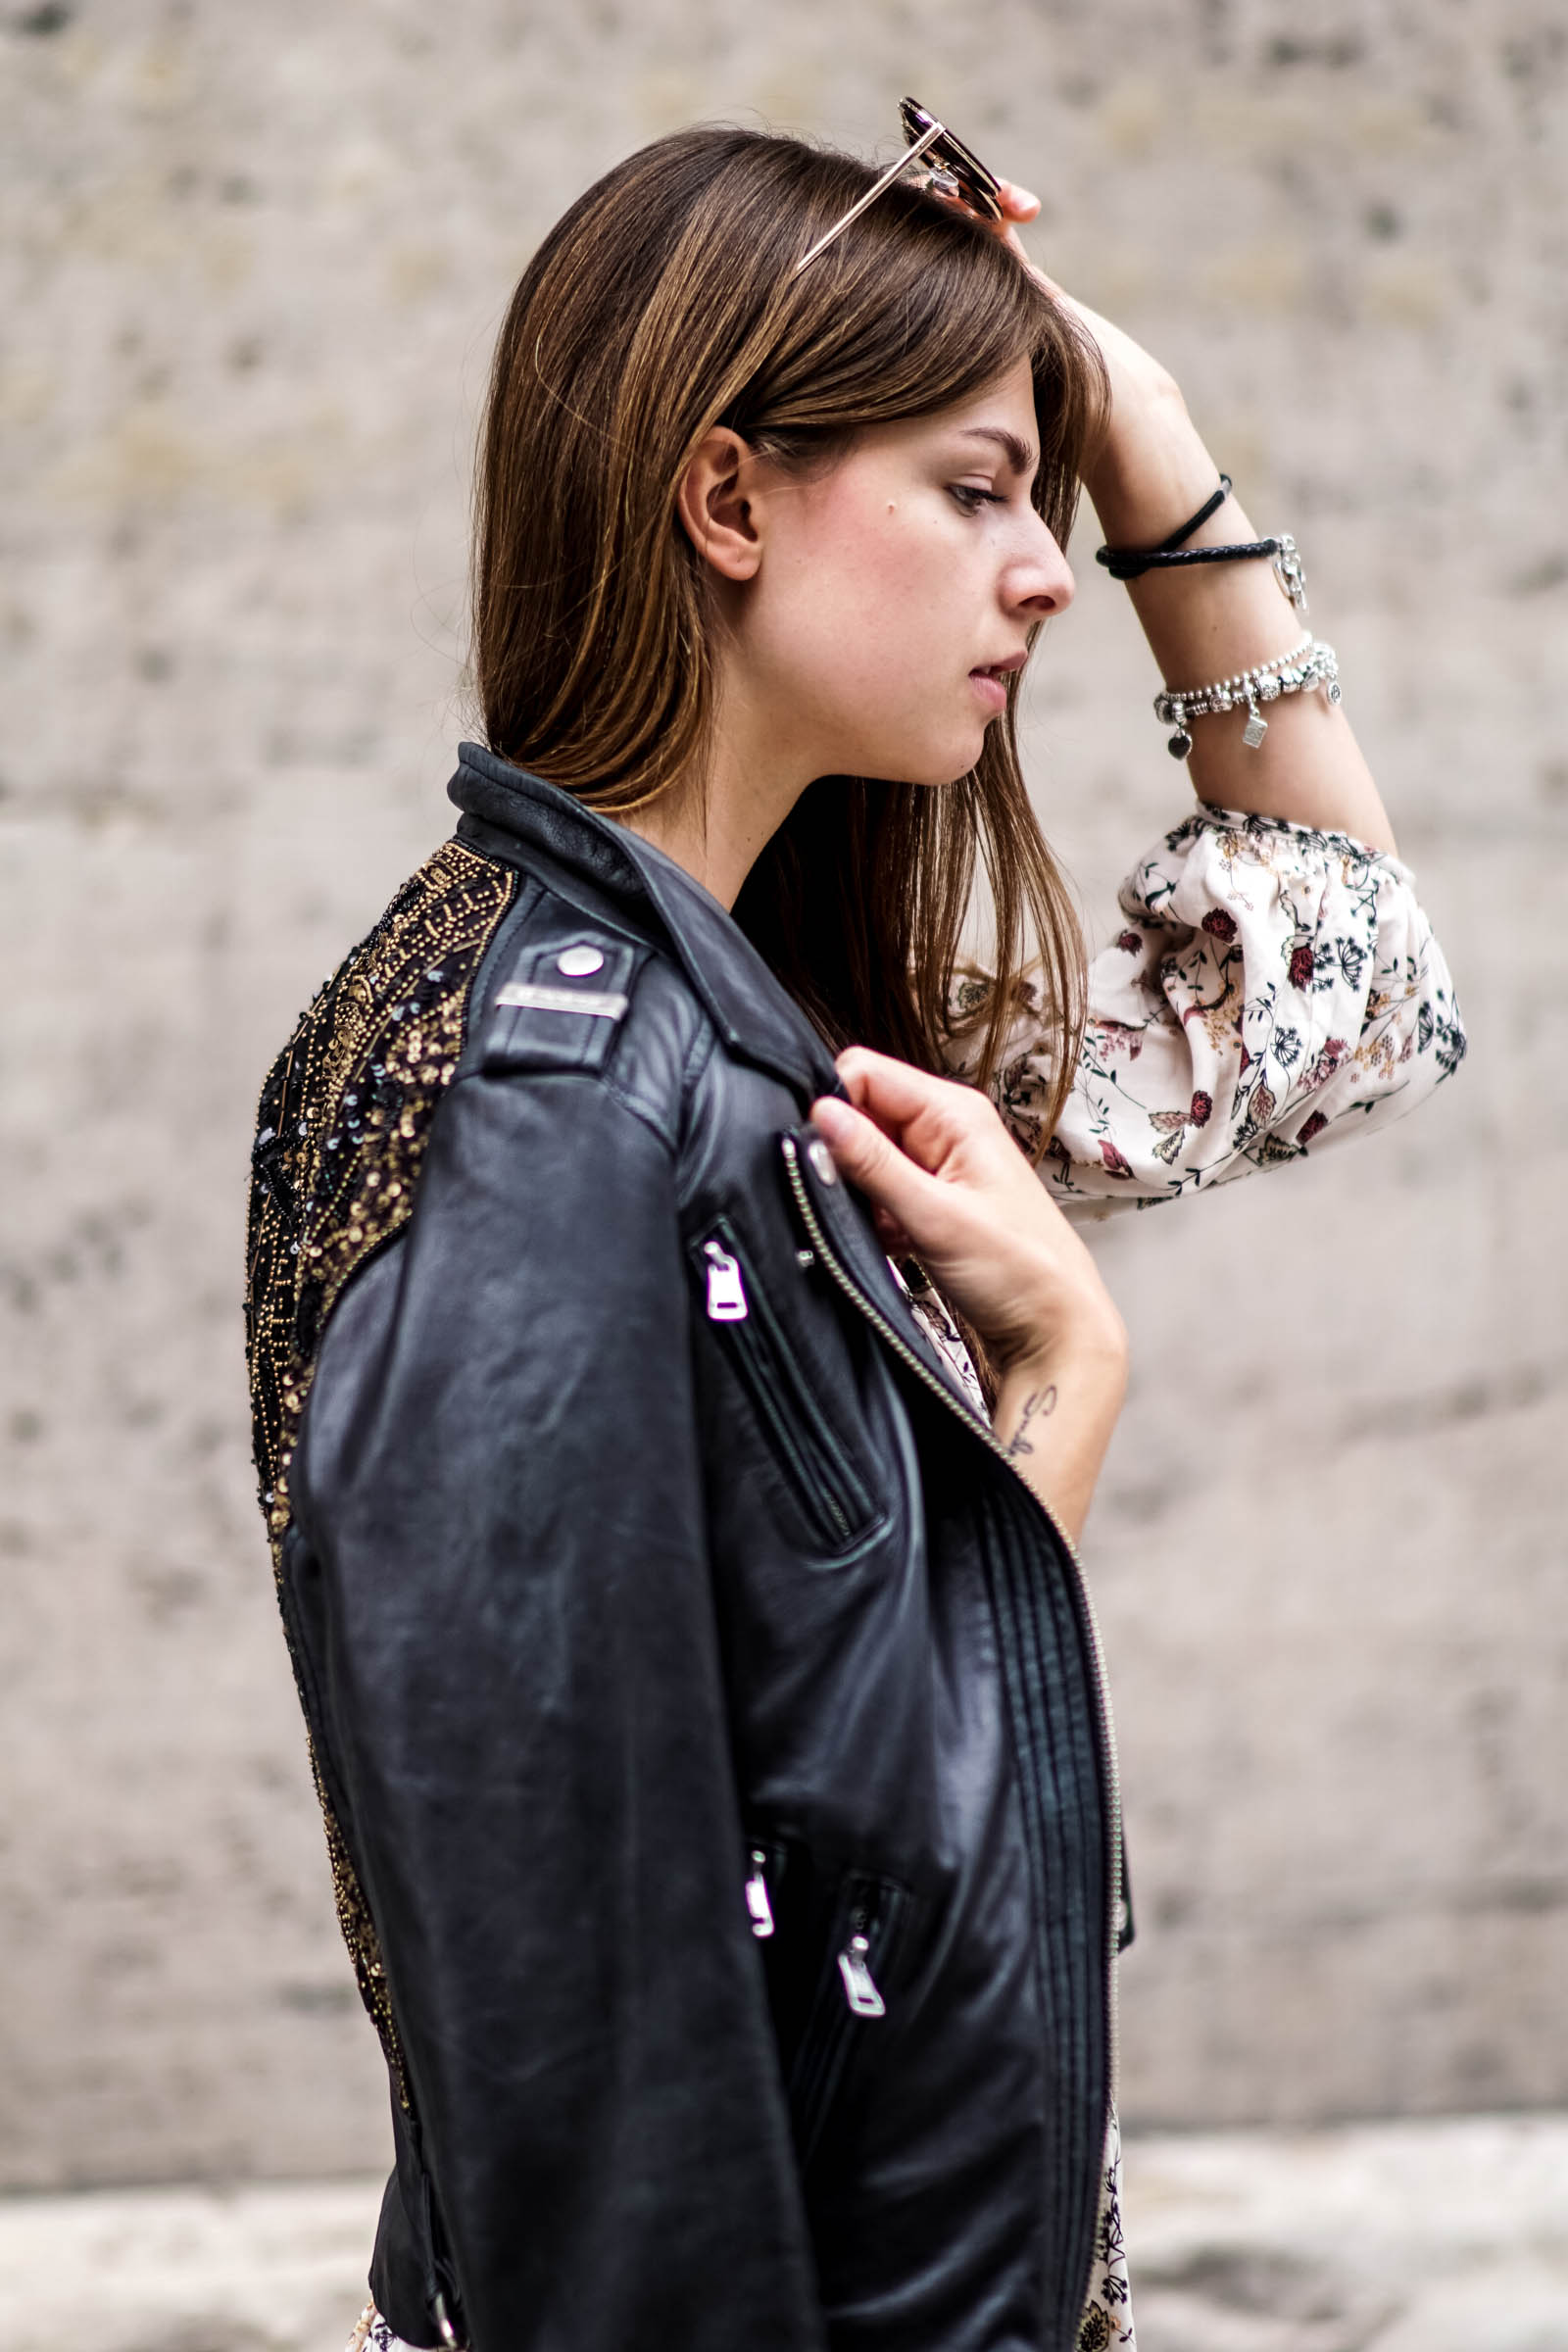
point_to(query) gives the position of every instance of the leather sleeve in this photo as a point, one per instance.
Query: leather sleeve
(501, 1498)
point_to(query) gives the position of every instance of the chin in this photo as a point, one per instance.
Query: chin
(960, 764)
(951, 763)
(930, 763)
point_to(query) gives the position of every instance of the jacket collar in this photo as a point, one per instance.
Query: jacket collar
(538, 824)
(606, 868)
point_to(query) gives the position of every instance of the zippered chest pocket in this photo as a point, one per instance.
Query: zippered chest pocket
(836, 1505)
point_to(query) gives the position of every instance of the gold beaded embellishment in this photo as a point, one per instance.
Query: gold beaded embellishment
(340, 1137)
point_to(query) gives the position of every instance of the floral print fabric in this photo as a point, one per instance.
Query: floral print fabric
(1271, 990)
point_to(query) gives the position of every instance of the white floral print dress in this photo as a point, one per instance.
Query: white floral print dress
(1271, 990)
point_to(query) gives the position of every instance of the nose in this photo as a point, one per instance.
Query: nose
(1038, 578)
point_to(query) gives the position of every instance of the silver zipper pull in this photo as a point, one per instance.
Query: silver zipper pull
(726, 1293)
(757, 1902)
(860, 1987)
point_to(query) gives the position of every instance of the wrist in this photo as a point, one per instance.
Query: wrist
(1055, 1416)
(1090, 1353)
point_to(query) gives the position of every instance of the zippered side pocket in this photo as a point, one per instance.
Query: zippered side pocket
(851, 2000)
(837, 1506)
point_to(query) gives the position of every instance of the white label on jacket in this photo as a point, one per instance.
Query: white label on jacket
(607, 1003)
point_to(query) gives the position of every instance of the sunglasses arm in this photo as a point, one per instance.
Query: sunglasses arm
(911, 154)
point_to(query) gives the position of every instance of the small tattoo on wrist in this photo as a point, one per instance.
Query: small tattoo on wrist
(1036, 1406)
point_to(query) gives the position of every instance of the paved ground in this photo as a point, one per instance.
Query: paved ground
(1447, 2236)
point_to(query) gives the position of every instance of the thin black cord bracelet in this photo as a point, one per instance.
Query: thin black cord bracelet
(1127, 563)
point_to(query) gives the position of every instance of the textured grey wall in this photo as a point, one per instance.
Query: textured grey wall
(253, 258)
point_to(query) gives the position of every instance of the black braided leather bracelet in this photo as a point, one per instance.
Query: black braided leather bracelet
(1131, 562)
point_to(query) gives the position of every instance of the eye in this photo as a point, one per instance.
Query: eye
(970, 500)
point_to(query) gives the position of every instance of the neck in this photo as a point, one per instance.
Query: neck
(753, 776)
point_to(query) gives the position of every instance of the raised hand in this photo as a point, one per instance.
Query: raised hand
(1148, 473)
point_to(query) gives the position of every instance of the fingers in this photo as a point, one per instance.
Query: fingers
(1018, 203)
(893, 1092)
(938, 1121)
(914, 1143)
(886, 1176)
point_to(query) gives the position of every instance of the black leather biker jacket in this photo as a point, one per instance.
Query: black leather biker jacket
(707, 1717)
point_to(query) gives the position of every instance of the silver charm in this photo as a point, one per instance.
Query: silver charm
(1288, 571)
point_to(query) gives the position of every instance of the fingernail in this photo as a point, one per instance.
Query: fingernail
(832, 1117)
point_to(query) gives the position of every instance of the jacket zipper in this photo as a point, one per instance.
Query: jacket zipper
(759, 1902)
(906, 1353)
(855, 1968)
(843, 1511)
(849, 1998)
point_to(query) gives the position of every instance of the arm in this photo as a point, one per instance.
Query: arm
(1208, 622)
(501, 1485)
(1213, 619)
(1274, 980)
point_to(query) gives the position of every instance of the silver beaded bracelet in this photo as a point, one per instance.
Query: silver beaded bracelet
(1309, 663)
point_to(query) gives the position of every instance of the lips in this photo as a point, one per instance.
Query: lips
(1000, 671)
(991, 681)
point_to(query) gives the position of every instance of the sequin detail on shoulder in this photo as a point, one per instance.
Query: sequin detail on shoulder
(342, 1127)
(341, 1132)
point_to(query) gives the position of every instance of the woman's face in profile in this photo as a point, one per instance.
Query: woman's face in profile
(895, 591)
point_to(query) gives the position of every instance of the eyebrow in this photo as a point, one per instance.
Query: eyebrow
(1018, 454)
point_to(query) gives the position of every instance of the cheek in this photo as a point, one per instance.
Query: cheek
(874, 621)
(882, 595)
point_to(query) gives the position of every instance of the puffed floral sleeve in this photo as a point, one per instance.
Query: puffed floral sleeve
(1271, 990)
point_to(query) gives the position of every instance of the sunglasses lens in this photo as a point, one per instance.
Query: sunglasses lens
(975, 184)
(916, 122)
(951, 164)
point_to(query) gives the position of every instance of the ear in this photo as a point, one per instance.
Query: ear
(715, 504)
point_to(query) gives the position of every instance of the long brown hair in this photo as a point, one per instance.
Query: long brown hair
(663, 303)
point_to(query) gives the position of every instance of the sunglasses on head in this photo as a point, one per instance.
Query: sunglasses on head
(946, 168)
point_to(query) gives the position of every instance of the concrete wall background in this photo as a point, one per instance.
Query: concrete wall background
(252, 262)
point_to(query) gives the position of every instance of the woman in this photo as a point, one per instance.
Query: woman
(702, 1693)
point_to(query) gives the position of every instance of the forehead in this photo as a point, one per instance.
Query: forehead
(1008, 402)
(995, 425)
